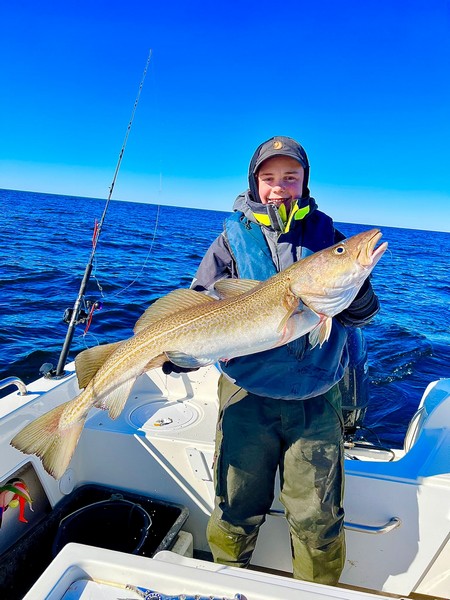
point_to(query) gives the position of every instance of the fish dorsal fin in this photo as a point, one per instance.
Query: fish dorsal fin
(116, 400)
(170, 304)
(228, 288)
(88, 362)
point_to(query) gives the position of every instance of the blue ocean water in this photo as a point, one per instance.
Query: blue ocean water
(146, 250)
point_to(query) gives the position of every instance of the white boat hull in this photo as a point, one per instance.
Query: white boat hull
(397, 512)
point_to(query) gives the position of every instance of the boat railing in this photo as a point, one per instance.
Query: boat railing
(14, 381)
(393, 523)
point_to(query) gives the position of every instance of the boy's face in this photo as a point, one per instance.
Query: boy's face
(280, 180)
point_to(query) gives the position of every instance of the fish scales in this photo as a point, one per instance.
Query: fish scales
(302, 299)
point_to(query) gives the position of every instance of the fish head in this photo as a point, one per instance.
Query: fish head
(329, 280)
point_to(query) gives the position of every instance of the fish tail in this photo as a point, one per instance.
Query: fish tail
(45, 438)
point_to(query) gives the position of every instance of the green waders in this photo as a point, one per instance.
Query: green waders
(255, 435)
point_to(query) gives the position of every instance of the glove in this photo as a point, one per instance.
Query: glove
(363, 308)
(169, 367)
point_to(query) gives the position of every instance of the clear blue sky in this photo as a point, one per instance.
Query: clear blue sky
(364, 85)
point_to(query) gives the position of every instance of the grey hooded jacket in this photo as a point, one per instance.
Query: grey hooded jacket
(294, 371)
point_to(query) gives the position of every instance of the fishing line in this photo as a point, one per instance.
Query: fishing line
(95, 278)
(144, 264)
(82, 338)
(98, 226)
(146, 258)
(73, 315)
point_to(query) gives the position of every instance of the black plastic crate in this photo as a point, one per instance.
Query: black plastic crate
(23, 563)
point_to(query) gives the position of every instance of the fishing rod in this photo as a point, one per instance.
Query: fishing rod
(76, 314)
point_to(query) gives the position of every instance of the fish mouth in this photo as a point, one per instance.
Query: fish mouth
(369, 255)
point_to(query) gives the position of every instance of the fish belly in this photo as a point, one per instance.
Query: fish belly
(246, 336)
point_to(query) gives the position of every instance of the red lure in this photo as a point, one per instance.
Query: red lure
(14, 493)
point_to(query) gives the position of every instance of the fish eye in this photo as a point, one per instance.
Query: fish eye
(339, 250)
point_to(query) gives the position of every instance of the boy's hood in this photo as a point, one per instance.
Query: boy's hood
(277, 146)
(250, 203)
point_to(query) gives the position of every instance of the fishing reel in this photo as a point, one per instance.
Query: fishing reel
(83, 315)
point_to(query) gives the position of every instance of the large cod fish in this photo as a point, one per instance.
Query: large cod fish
(192, 330)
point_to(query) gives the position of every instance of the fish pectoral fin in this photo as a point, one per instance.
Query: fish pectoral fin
(186, 361)
(156, 362)
(229, 288)
(168, 305)
(321, 332)
(115, 401)
(89, 361)
(292, 305)
(285, 320)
